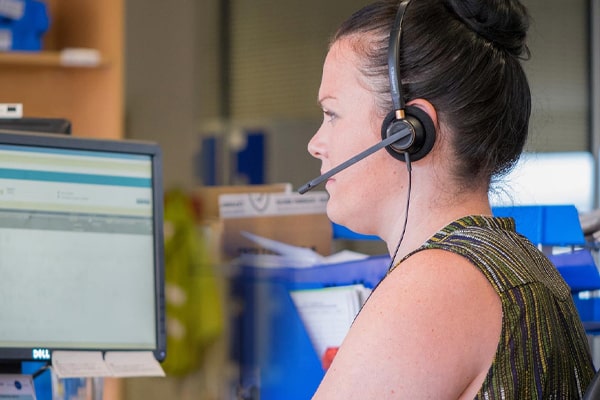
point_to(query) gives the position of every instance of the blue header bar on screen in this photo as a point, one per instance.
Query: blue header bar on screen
(67, 177)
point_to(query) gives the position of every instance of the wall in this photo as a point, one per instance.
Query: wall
(171, 78)
(558, 75)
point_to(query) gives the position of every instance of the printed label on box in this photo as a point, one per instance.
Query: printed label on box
(271, 204)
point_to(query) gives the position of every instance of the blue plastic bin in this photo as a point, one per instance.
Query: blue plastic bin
(269, 341)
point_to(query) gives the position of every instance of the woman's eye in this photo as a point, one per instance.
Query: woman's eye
(329, 116)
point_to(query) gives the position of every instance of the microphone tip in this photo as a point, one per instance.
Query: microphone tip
(305, 188)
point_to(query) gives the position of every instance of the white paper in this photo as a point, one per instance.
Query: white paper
(124, 364)
(117, 364)
(286, 250)
(328, 313)
(291, 256)
(79, 364)
(80, 57)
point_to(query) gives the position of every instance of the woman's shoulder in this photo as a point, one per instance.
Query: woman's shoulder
(433, 274)
(434, 322)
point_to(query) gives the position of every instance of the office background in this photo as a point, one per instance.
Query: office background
(220, 68)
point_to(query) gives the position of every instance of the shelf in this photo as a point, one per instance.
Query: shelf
(79, 74)
(61, 59)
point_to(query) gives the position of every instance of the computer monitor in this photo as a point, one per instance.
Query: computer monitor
(81, 246)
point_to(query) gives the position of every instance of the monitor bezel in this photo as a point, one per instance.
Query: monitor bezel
(48, 140)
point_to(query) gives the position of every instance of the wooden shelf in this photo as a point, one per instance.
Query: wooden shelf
(46, 59)
(79, 73)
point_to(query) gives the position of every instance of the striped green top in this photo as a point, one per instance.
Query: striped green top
(543, 351)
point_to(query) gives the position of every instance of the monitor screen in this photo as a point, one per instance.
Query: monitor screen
(81, 246)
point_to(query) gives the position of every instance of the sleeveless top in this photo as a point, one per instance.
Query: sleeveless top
(543, 351)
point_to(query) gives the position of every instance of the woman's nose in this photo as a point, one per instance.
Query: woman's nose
(315, 145)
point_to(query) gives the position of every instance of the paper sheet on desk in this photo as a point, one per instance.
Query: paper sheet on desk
(125, 364)
(117, 364)
(328, 313)
(79, 364)
(290, 256)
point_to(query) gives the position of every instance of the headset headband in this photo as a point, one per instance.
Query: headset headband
(394, 61)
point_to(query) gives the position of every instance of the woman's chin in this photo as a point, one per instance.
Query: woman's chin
(348, 221)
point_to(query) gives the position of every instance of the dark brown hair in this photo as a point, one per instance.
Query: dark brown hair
(464, 57)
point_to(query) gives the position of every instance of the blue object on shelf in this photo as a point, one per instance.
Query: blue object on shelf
(578, 269)
(588, 306)
(250, 161)
(550, 225)
(244, 163)
(206, 162)
(23, 24)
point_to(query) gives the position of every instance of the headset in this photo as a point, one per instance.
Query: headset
(422, 130)
(407, 132)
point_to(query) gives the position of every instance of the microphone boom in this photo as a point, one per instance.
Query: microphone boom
(386, 142)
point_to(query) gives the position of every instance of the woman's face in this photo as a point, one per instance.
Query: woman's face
(350, 125)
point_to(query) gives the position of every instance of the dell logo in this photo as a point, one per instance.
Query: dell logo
(41, 354)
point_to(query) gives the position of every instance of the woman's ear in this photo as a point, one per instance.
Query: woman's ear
(426, 107)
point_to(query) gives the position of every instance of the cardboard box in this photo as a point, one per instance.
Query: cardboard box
(207, 197)
(291, 218)
(271, 211)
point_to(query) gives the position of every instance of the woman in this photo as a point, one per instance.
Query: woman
(469, 309)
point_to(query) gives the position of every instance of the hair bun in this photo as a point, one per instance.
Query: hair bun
(502, 22)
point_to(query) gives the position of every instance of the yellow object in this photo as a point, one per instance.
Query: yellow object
(194, 309)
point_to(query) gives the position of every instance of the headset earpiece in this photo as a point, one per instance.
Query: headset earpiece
(419, 143)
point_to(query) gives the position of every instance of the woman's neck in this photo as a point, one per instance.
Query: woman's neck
(427, 216)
